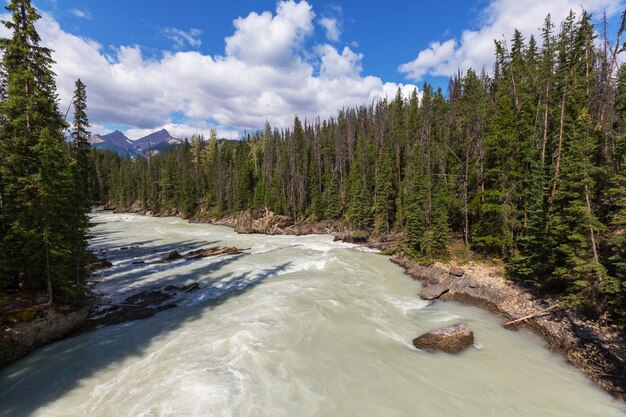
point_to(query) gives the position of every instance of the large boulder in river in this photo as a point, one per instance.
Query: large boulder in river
(451, 339)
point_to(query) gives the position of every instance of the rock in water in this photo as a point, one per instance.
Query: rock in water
(431, 292)
(169, 257)
(451, 339)
(204, 253)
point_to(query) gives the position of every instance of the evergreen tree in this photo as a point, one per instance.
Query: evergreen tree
(53, 185)
(81, 202)
(384, 197)
(29, 116)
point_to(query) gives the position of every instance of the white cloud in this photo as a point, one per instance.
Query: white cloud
(83, 14)
(331, 26)
(263, 75)
(267, 39)
(182, 38)
(334, 65)
(475, 48)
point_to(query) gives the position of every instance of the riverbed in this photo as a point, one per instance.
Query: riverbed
(293, 326)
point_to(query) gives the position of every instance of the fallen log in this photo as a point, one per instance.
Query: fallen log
(530, 316)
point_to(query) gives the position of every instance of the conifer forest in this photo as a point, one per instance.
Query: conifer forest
(523, 163)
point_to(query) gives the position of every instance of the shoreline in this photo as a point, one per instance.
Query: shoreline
(598, 350)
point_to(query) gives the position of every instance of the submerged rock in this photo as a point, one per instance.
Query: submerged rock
(190, 287)
(451, 339)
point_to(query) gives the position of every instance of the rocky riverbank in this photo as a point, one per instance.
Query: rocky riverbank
(596, 348)
(26, 328)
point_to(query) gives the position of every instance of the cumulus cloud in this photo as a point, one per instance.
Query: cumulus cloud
(263, 75)
(182, 38)
(83, 14)
(331, 26)
(267, 39)
(475, 48)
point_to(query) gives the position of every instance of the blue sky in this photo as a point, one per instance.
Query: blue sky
(386, 33)
(190, 66)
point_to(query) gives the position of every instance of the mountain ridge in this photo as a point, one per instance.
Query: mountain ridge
(119, 143)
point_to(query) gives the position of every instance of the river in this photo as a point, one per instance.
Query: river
(294, 326)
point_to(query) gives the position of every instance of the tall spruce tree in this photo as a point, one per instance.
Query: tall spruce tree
(37, 184)
(81, 203)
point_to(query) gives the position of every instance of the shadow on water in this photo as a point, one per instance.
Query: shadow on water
(55, 370)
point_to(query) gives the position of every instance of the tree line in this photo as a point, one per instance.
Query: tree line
(44, 181)
(525, 164)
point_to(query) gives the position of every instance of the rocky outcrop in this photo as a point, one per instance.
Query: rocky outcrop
(261, 221)
(431, 292)
(264, 221)
(451, 339)
(47, 325)
(205, 253)
(138, 208)
(596, 349)
(137, 306)
(196, 254)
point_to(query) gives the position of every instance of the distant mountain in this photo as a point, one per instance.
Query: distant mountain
(120, 144)
(156, 140)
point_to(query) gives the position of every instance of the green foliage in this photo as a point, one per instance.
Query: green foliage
(44, 185)
(384, 194)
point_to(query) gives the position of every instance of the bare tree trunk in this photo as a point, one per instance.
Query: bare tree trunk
(48, 277)
(560, 148)
(591, 231)
(545, 125)
(465, 202)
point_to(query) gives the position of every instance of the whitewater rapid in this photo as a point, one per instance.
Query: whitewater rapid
(293, 326)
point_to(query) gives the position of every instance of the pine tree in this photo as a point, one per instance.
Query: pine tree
(53, 185)
(572, 226)
(81, 169)
(29, 108)
(384, 197)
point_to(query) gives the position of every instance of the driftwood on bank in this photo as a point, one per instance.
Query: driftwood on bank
(530, 316)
